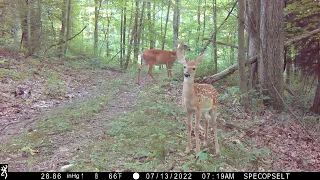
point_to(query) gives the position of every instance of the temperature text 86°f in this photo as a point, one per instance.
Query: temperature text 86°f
(115, 176)
(217, 175)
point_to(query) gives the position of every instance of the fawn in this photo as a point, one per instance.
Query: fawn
(201, 99)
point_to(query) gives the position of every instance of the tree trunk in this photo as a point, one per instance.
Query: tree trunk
(241, 56)
(25, 37)
(16, 26)
(62, 36)
(165, 27)
(214, 41)
(198, 27)
(136, 35)
(272, 45)
(68, 27)
(121, 37)
(204, 20)
(150, 24)
(96, 29)
(140, 30)
(130, 42)
(253, 29)
(124, 34)
(153, 25)
(176, 22)
(35, 27)
(108, 36)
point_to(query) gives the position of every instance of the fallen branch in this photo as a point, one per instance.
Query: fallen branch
(62, 42)
(226, 72)
(294, 40)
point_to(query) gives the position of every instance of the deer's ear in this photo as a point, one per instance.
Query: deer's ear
(199, 59)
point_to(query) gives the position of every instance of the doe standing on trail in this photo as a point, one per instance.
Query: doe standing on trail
(153, 57)
(199, 99)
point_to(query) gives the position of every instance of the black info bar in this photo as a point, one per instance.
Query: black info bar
(158, 175)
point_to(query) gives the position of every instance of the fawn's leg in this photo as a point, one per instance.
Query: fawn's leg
(189, 114)
(214, 119)
(198, 115)
(207, 117)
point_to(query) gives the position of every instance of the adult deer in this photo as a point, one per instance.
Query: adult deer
(201, 99)
(153, 57)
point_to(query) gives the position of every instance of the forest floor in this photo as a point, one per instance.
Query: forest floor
(54, 113)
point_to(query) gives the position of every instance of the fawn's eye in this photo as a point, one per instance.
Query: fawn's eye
(184, 66)
(194, 68)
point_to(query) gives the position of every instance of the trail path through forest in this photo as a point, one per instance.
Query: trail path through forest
(65, 146)
(45, 134)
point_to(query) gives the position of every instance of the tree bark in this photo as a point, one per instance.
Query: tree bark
(136, 34)
(214, 39)
(16, 26)
(140, 30)
(121, 36)
(68, 26)
(96, 28)
(124, 35)
(253, 29)
(165, 27)
(150, 25)
(35, 27)
(272, 45)
(176, 22)
(25, 35)
(62, 36)
(198, 27)
(241, 56)
(204, 20)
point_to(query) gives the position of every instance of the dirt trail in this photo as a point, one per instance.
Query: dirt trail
(66, 146)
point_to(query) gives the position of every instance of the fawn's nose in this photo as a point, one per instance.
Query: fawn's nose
(186, 74)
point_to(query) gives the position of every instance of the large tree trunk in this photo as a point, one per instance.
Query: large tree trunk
(35, 27)
(272, 45)
(176, 22)
(253, 29)
(241, 55)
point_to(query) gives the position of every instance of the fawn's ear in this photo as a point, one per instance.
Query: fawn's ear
(199, 59)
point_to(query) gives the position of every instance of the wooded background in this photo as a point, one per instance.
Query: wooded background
(272, 43)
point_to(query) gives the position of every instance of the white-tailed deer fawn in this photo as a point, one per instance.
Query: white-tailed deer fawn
(153, 57)
(201, 99)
